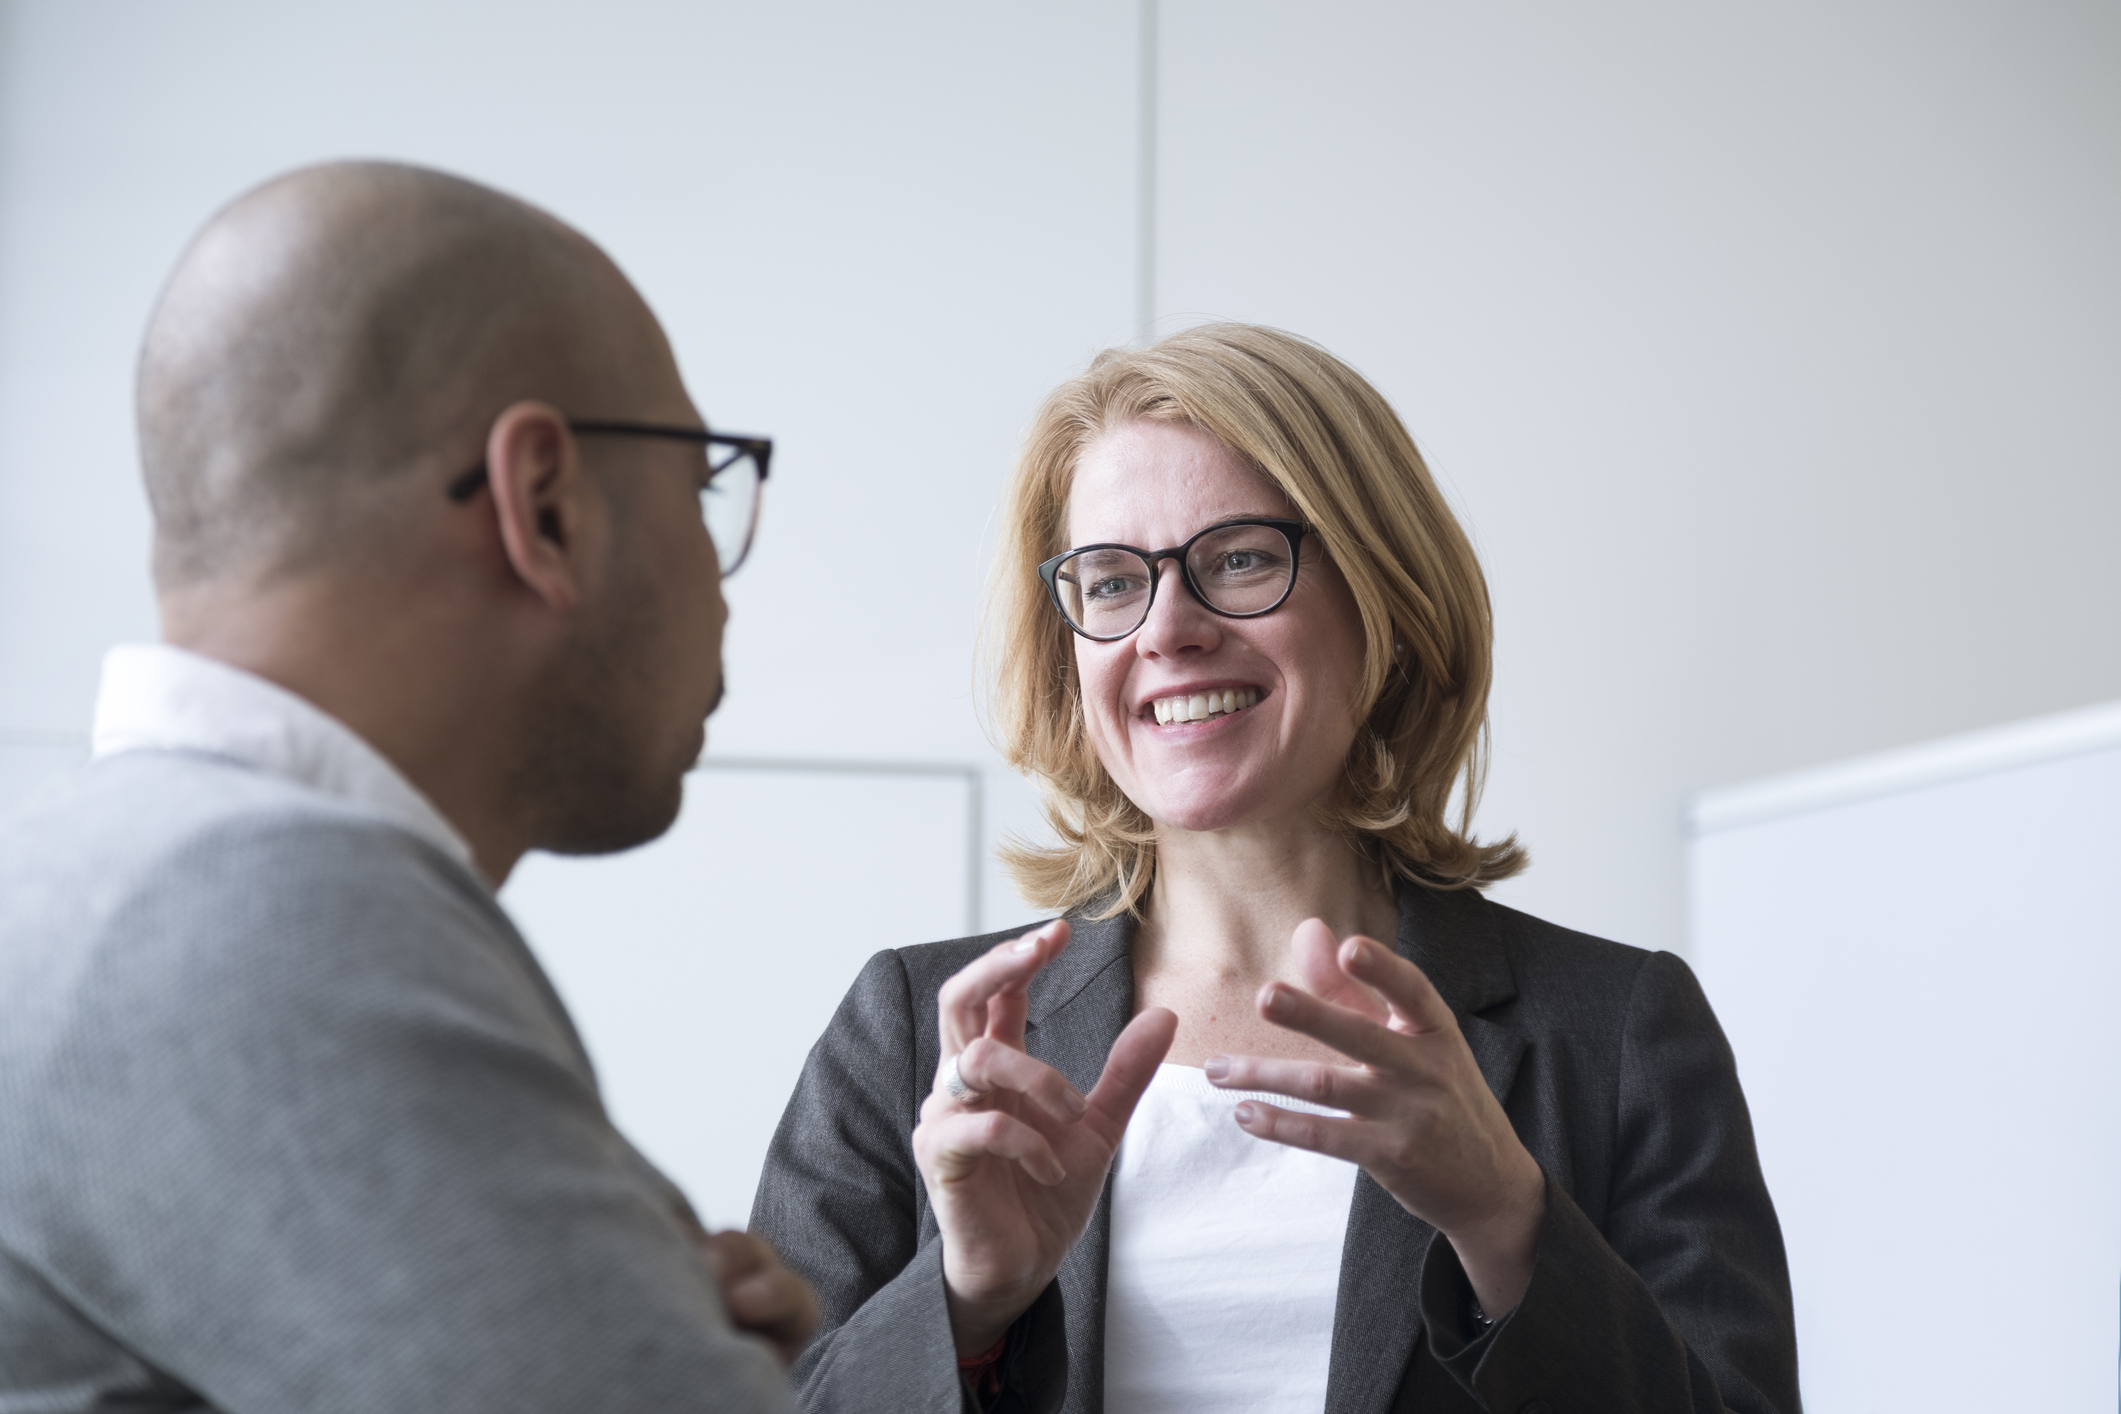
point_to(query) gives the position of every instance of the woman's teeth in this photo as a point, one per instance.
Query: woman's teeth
(1200, 706)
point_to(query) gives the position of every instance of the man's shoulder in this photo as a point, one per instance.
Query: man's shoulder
(162, 791)
(127, 816)
(282, 1087)
(169, 879)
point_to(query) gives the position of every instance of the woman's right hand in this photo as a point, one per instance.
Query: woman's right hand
(1014, 1169)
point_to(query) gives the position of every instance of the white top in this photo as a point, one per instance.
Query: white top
(1225, 1258)
(158, 698)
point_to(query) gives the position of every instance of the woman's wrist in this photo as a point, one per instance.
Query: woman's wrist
(975, 1325)
(1497, 1251)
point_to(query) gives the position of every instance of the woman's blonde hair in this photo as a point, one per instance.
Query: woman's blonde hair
(1334, 446)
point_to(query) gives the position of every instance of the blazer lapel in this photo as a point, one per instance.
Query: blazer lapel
(1451, 937)
(1078, 1006)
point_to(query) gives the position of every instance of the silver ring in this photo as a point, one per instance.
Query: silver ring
(955, 1086)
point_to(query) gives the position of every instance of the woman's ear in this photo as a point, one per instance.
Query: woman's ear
(541, 499)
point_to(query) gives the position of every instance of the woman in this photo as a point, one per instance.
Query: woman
(1388, 1145)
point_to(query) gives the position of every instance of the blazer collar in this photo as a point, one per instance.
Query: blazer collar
(1451, 936)
(1095, 947)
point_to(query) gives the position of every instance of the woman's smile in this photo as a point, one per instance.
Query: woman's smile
(1199, 704)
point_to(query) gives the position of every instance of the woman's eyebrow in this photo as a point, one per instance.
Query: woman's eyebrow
(1231, 519)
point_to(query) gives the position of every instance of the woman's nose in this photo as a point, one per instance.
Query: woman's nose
(1177, 622)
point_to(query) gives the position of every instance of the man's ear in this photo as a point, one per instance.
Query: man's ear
(542, 498)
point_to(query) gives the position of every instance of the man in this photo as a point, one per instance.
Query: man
(289, 1117)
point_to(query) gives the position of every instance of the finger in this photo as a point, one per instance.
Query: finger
(1317, 955)
(1129, 1068)
(961, 1003)
(1339, 1087)
(990, 1065)
(1006, 1017)
(956, 1144)
(1349, 1139)
(1411, 994)
(735, 1255)
(776, 1302)
(778, 1306)
(964, 1001)
(1352, 1034)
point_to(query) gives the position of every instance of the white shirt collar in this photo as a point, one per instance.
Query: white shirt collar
(160, 698)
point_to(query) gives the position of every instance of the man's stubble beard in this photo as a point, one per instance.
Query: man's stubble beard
(592, 780)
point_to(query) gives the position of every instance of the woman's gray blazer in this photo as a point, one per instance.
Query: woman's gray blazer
(1659, 1284)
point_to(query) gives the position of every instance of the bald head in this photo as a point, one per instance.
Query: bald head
(333, 340)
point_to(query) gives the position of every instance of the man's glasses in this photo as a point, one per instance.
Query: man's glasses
(729, 495)
(1239, 569)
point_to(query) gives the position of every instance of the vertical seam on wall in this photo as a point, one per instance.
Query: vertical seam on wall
(1145, 176)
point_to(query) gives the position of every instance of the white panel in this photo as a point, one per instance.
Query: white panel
(700, 968)
(1910, 768)
(1921, 987)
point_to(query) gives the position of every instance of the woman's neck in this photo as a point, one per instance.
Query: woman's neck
(1219, 921)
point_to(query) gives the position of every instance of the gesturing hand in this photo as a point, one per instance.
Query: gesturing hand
(1421, 1119)
(1014, 1168)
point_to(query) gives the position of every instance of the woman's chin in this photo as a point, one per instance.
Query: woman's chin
(1205, 812)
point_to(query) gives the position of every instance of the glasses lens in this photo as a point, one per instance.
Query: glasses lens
(730, 502)
(1242, 569)
(1105, 593)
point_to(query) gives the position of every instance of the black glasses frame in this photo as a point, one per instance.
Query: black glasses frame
(1292, 530)
(760, 449)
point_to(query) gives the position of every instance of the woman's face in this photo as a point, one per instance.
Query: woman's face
(1153, 484)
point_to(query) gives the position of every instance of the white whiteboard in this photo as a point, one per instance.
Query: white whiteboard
(1917, 957)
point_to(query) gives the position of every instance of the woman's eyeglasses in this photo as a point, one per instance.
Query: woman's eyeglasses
(1238, 568)
(729, 494)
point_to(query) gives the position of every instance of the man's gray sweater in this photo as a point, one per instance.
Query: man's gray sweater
(290, 1119)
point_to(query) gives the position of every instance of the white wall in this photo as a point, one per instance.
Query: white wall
(875, 233)
(1917, 958)
(1769, 352)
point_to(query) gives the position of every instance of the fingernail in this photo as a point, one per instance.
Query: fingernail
(1077, 1105)
(1276, 1001)
(1247, 1113)
(1216, 1068)
(1027, 943)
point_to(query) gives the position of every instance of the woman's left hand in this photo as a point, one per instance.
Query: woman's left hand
(1421, 1119)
